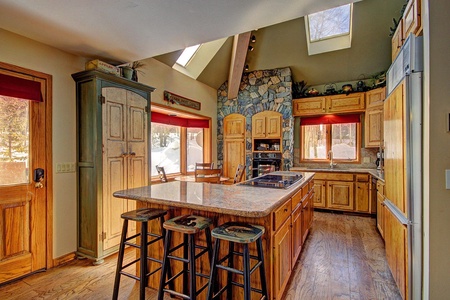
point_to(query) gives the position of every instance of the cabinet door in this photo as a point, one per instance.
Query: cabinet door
(374, 127)
(234, 126)
(362, 197)
(258, 126)
(396, 250)
(375, 97)
(309, 106)
(340, 195)
(233, 155)
(411, 18)
(397, 40)
(282, 258)
(273, 126)
(306, 220)
(297, 236)
(319, 193)
(346, 103)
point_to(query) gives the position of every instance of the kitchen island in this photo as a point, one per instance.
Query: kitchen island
(286, 215)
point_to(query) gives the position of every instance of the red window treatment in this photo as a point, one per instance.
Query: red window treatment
(178, 121)
(330, 119)
(20, 88)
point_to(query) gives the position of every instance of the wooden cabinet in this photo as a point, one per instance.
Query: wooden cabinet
(282, 259)
(412, 18)
(396, 251)
(342, 103)
(374, 120)
(112, 132)
(319, 193)
(340, 195)
(362, 203)
(234, 144)
(291, 224)
(353, 102)
(266, 124)
(309, 106)
(380, 207)
(397, 40)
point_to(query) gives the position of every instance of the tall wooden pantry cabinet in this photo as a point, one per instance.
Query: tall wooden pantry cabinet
(113, 122)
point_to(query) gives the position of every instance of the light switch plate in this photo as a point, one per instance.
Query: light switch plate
(447, 179)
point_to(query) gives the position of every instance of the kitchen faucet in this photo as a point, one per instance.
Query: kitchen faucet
(332, 165)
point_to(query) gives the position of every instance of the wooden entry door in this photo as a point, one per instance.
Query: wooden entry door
(23, 205)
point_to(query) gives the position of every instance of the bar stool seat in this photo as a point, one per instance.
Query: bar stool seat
(241, 233)
(143, 215)
(189, 226)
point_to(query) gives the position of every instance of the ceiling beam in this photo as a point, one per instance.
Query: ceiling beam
(238, 56)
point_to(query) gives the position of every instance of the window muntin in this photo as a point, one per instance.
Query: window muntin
(329, 23)
(343, 139)
(187, 55)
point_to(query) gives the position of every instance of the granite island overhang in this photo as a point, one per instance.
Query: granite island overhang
(286, 215)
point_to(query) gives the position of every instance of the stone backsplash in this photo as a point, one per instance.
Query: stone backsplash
(264, 90)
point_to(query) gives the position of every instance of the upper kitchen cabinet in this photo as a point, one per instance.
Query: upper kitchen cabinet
(112, 137)
(234, 143)
(342, 103)
(374, 117)
(397, 39)
(411, 18)
(266, 124)
(234, 126)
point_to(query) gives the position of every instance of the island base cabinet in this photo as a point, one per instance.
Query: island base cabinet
(282, 243)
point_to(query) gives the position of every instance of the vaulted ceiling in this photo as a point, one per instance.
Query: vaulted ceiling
(119, 31)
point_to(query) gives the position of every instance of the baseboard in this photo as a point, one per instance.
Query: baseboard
(63, 259)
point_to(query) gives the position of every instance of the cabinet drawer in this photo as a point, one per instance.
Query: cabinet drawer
(296, 198)
(281, 214)
(334, 176)
(362, 177)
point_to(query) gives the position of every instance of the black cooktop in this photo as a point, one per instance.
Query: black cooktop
(273, 181)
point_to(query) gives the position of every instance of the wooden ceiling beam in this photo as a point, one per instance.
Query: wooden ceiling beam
(238, 56)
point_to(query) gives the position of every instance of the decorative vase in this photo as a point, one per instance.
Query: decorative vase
(127, 72)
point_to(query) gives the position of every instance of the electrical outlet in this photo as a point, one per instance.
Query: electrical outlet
(65, 167)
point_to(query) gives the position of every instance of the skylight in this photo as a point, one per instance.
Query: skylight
(330, 29)
(187, 55)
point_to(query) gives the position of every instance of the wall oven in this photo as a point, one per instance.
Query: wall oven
(264, 163)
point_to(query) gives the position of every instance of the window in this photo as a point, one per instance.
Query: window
(329, 30)
(178, 140)
(187, 55)
(342, 139)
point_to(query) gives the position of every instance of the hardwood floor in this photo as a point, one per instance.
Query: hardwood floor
(343, 258)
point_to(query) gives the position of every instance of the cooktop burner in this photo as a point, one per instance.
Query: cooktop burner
(273, 181)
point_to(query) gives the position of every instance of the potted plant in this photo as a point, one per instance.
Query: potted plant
(130, 70)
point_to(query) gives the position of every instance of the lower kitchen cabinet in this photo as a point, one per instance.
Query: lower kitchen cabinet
(319, 193)
(282, 259)
(362, 192)
(340, 195)
(380, 208)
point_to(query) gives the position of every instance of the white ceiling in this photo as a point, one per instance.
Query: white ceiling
(128, 30)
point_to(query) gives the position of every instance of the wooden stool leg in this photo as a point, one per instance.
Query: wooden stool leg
(143, 261)
(230, 274)
(262, 271)
(246, 273)
(165, 265)
(120, 259)
(213, 271)
(193, 279)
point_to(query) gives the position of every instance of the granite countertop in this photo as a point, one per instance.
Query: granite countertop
(374, 172)
(239, 200)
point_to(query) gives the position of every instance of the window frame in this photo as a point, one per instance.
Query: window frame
(328, 127)
(207, 140)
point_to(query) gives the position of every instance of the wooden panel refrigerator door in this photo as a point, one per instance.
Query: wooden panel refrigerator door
(234, 154)
(115, 154)
(22, 205)
(394, 152)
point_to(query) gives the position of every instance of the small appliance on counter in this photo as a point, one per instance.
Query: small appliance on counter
(379, 160)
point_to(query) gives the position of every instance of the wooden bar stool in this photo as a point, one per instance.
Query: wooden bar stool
(143, 216)
(242, 233)
(189, 226)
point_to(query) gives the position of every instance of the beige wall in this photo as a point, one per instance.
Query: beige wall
(20, 51)
(437, 148)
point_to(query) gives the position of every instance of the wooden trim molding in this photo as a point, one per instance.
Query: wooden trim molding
(64, 259)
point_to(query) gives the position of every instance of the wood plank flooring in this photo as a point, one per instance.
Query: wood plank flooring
(343, 258)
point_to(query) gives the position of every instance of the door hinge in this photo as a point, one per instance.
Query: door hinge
(102, 236)
(101, 99)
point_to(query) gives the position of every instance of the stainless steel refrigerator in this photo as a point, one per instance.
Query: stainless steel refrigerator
(403, 168)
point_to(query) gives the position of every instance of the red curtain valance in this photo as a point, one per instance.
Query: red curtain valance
(20, 88)
(178, 121)
(330, 119)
